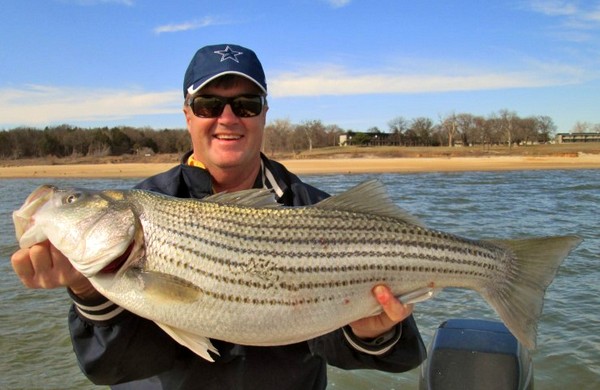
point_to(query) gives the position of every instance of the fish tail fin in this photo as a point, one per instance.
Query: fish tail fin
(519, 301)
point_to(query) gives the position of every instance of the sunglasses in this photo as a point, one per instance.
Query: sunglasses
(209, 106)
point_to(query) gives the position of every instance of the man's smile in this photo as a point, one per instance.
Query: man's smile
(228, 137)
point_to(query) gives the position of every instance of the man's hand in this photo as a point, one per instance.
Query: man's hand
(393, 313)
(44, 266)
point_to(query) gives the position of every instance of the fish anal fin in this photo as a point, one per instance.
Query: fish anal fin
(369, 197)
(200, 345)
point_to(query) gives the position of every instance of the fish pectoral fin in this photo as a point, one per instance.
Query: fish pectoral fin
(419, 295)
(167, 287)
(200, 345)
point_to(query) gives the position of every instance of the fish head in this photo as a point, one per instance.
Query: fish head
(93, 229)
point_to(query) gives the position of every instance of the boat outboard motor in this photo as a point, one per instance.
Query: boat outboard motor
(476, 354)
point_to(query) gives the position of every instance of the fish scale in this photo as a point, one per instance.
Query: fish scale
(237, 267)
(334, 266)
(341, 245)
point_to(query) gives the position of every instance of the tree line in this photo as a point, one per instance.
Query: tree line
(282, 136)
(66, 140)
(504, 127)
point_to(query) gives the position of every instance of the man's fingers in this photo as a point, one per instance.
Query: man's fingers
(59, 262)
(40, 259)
(43, 266)
(21, 263)
(395, 310)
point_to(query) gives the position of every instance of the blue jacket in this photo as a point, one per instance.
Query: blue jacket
(118, 348)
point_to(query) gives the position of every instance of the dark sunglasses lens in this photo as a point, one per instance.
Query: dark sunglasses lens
(207, 106)
(247, 106)
(212, 106)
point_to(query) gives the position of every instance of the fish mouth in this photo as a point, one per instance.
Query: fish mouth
(24, 218)
(115, 265)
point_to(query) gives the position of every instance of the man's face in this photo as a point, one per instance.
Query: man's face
(228, 141)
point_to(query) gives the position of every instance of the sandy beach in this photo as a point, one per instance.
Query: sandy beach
(325, 166)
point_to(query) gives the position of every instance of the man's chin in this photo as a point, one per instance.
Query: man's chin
(233, 161)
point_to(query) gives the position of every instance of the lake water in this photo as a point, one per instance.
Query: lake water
(36, 350)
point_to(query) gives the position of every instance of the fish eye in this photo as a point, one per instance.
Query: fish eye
(72, 198)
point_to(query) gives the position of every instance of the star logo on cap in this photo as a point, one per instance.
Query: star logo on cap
(228, 54)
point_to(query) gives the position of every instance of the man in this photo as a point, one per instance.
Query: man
(225, 110)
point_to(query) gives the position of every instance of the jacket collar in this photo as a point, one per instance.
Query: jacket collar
(269, 176)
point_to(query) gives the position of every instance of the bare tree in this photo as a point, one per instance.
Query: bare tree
(484, 131)
(581, 127)
(314, 130)
(398, 126)
(277, 135)
(467, 128)
(507, 124)
(545, 128)
(525, 131)
(421, 131)
(449, 125)
(333, 133)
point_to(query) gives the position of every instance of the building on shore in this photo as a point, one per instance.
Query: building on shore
(564, 138)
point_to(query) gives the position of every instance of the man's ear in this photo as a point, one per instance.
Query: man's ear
(188, 117)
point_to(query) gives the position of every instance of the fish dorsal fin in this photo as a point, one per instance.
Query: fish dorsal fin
(256, 197)
(369, 197)
(200, 345)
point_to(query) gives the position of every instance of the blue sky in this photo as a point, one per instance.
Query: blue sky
(357, 64)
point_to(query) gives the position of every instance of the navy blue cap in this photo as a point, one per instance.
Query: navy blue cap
(211, 62)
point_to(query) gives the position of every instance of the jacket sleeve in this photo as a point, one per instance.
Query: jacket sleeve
(403, 351)
(113, 345)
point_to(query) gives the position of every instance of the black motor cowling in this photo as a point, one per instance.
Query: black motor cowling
(476, 354)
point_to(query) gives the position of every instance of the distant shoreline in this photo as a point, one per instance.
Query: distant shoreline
(323, 166)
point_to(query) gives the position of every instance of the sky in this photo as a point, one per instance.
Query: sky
(355, 64)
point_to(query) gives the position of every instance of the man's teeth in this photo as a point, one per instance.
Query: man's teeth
(228, 136)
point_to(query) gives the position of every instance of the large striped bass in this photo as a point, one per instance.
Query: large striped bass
(238, 267)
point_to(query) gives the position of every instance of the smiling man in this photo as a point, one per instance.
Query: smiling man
(225, 110)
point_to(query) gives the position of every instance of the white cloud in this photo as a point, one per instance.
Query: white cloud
(190, 25)
(574, 15)
(593, 15)
(338, 3)
(554, 7)
(40, 105)
(340, 81)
